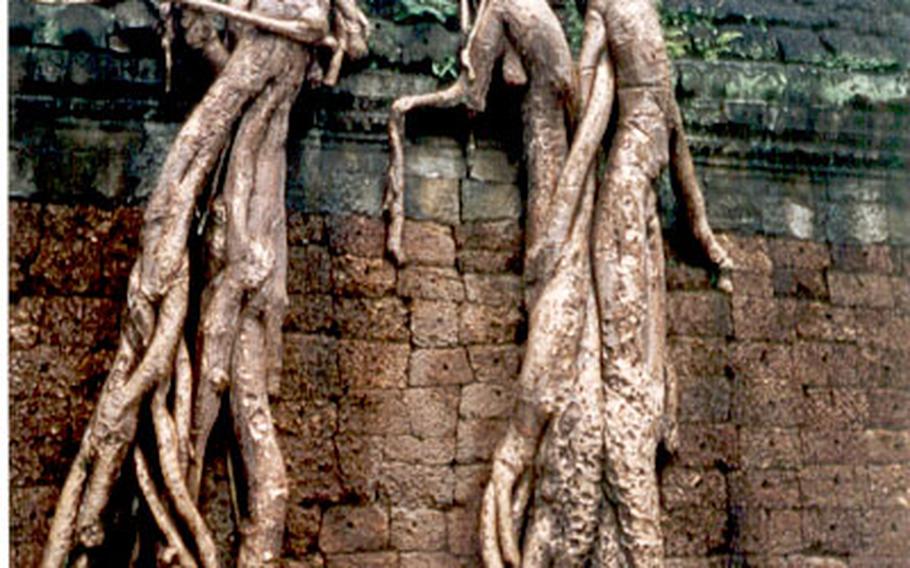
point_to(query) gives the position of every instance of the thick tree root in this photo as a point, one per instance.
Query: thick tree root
(238, 346)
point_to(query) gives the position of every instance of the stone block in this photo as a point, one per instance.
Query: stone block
(889, 486)
(305, 229)
(477, 438)
(302, 528)
(494, 290)
(375, 412)
(373, 365)
(434, 324)
(705, 399)
(435, 367)
(708, 445)
(358, 276)
(354, 529)
(488, 324)
(383, 319)
(310, 313)
(486, 400)
(693, 531)
(860, 289)
(470, 482)
(889, 408)
(356, 235)
(687, 487)
(798, 255)
(359, 461)
(766, 489)
(493, 165)
(833, 447)
(834, 486)
(699, 314)
(430, 560)
(849, 257)
(886, 446)
(837, 408)
(489, 261)
(431, 283)
(495, 363)
(432, 411)
(309, 270)
(803, 284)
(418, 529)
(415, 485)
(770, 448)
(833, 530)
(310, 368)
(363, 560)
(432, 199)
(461, 529)
(428, 243)
(422, 450)
(485, 201)
(489, 235)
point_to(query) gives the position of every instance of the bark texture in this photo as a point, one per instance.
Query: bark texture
(574, 479)
(205, 324)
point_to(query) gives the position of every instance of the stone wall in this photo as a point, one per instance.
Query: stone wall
(795, 391)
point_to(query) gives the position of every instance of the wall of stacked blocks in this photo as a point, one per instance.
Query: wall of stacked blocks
(795, 390)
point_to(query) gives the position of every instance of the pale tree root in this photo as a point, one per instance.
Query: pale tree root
(151, 348)
(559, 422)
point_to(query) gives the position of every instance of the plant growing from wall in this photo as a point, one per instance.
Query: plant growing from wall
(573, 480)
(204, 315)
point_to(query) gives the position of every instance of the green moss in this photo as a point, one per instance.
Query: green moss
(441, 11)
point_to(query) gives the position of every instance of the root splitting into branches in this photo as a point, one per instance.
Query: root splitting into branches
(573, 480)
(166, 368)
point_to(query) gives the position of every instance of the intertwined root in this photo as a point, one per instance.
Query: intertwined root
(237, 346)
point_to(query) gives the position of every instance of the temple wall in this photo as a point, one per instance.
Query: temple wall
(795, 391)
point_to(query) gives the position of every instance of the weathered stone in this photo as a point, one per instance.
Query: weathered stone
(481, 323)
(416, 485)
(486, 400)
(383, 319)
(495, 290)
(374, 412)
(432, 411)
(425, 450)
(354, 529)
(495, 363)
(428, 243)
(685, 487)
(431, 283)
(489, 235)
(852, 289)
(477, 438)
(432, 199)
(356, 235)
(304, 229)
(309, 270)
(302, 528)
(373, 365)
(310, 368)
(363, 560)
(357, 276)
(434, 324)
(310, 313)
(834, 486)
(768, 448)
(418, 529)
(429, 560)
(492, 164)
(484, 201)
(699, 314)
(433, 367)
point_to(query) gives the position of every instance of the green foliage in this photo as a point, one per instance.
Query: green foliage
(440, 11)
(447, 69)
